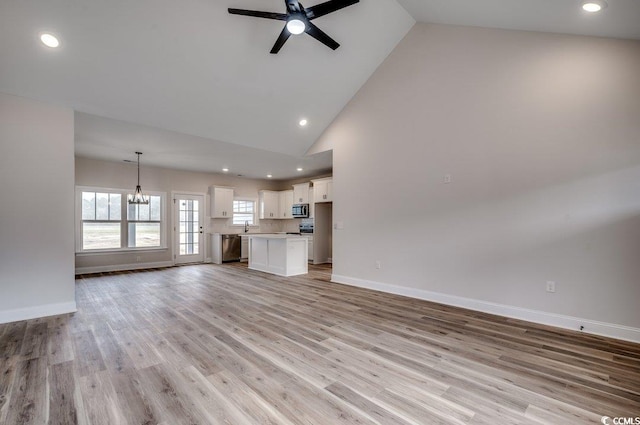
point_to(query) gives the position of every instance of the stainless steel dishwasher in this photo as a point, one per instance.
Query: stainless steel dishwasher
(230, 248)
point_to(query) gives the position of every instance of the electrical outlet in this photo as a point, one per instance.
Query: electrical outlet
(378, 264)
(447, 178)
(551, 286)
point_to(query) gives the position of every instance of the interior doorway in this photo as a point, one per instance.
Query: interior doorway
(323, 233)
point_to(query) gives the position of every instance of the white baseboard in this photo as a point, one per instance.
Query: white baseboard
(123, 267)
(27, 313)
(611, 330)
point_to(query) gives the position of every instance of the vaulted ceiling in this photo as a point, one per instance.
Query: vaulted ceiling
(194, 87)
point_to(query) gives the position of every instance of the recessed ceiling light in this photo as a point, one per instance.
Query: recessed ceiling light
(303, 122)
(226, 170)
(269, 176)
(593, 6)
(49, 40)
(299, 169)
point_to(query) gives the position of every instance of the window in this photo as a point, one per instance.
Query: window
(108, 222)
(244, 210)
(101, 212)
(144, 224)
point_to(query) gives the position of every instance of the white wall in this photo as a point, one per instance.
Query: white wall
(36, 209)
(541, 136)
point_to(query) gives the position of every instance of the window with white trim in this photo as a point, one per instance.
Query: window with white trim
(244, 211)
(107, 222)
(101, 224)
(144, 224)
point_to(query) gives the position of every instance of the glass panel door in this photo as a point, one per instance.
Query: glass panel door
(189, 234)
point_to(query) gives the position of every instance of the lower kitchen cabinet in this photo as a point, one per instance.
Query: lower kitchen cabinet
(244, 248)
(310, 248)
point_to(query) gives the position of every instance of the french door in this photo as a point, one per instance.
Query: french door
(188, 228)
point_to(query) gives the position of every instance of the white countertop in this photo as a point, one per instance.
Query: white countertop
(272, 236)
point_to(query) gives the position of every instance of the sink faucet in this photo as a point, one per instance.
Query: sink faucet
(246, 226)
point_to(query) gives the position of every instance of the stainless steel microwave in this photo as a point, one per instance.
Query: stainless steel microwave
(300, 211)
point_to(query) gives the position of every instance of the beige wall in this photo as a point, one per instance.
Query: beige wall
(36, 209)
(91, 172)
(541, 136)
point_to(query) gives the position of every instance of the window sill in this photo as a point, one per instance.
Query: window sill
(117, 251)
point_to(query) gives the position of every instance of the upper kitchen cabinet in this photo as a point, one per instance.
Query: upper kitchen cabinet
(285, 203)
(301, 193)
(269, 204)
(322, 190)
(221, 202)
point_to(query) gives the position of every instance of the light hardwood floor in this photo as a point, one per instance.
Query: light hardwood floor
(212, 344)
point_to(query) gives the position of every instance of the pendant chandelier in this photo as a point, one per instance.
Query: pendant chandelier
(138, 198)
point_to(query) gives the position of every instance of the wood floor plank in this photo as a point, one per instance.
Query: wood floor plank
(88, 357)
(60, 346)
(141, 350)
(214, 401)
(412, 411)
(35, 340)
(210, 344)
(166, 400)
(29, 402)
(8, 367)
(131, 398)
(114, 356)
(12, 338)
(569, 416)
(192, 352)
(62, 400)
(246, 400)
(320, 405)
(260, 362)
(365, 405)
(100, 402)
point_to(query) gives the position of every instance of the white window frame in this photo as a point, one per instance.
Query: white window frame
(256, 219)
(124, 222)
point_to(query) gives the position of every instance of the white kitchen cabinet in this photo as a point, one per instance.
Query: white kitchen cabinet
(301, 193)
(322, 190)
(310, 248)
(285, 204)
(244, 248)
(221, 202)
(282, 255)
(269, 204)
(312, 204)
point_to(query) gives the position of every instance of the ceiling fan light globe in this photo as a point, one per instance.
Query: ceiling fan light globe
(296, 26)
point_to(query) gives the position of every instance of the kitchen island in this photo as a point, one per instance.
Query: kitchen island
(279, 254)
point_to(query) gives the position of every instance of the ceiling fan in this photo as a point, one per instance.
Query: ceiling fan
(299, 19)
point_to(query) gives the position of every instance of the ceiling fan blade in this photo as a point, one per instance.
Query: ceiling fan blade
(319, 35)
(284, 36)
(327, 7)
(258, 14)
